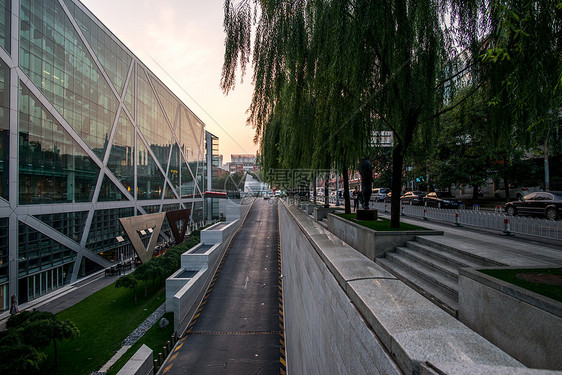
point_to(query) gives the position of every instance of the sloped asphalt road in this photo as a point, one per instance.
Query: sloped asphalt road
(238, 330)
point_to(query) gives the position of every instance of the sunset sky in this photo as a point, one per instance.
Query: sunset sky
(182, 42)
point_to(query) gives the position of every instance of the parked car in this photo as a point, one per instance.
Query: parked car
(266, 196)
(441, 199)
(542, 203)
(378, 194)
(413, 198)
(516, 192)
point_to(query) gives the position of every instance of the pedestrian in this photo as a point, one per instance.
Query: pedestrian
(355, 197)
(360, 199)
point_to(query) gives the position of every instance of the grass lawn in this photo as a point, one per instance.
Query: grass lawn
(104, 319)
(155, 339)
(547, 290)
(381, 224)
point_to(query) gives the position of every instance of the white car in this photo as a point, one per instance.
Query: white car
(516, 192)
(379, 194)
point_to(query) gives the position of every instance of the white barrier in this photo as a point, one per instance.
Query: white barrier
(530, 226)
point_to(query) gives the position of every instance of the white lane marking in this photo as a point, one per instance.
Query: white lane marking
(246, 283)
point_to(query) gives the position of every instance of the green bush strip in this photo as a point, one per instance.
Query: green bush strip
(547, 290)
(380, 224)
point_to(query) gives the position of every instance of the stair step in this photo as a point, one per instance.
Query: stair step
(476, 260)
(447, 256)
(440, 265)
(430, 274)
(421, 285)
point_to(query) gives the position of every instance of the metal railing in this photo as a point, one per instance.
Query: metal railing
(499, 221)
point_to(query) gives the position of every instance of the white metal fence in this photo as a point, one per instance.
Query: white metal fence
(485, 219)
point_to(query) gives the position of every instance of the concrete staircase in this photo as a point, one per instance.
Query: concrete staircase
(432, 268)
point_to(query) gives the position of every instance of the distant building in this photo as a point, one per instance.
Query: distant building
(240, 163)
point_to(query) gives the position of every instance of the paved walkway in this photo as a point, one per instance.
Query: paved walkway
(511, 250)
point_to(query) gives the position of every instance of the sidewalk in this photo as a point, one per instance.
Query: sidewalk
(517, 250)
(512, 250)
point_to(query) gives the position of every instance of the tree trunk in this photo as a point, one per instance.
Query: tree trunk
(396, 187)
(346, 200)
(475, 192)
(506, 188)
(326, 192)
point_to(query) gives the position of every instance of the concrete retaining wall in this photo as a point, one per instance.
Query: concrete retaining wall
(183, 295)
(139, 364)
(524, 324)
(373, 244)
(344, 314)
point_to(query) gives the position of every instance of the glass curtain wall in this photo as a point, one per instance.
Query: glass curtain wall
(96, 131)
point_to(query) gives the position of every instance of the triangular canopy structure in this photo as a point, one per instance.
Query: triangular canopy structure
(174, 217)
(134, 224)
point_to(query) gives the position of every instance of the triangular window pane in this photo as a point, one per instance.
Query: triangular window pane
(130, 95)
(71, 224)
(150, 182)
(174, 168)
(121, 158)
(151, 120)
(110, 192)
(52, 167)
(168, 100)
(187, 183)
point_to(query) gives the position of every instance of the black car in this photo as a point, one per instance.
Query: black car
(412, 198)
(541, 203)
(441, 199)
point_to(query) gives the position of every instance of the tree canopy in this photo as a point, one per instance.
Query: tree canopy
(328, 75)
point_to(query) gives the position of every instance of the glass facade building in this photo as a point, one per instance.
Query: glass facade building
(88, 134)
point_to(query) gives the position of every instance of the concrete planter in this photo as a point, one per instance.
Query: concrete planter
(373, 244)
(524, 324)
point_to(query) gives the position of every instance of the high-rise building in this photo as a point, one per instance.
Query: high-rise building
(88, 135)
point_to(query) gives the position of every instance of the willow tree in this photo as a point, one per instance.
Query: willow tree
(360, 66)
(524, 74)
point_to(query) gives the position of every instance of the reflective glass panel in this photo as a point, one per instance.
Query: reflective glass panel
(112, 57)
(150, 181)
(52, 167)
(151, 120)
(4, 249)
(106, 227)
(121, 158)
(71, 224)
(4, 128)
(5, 24)
(38, 252)
(58, 63)
(110, 192)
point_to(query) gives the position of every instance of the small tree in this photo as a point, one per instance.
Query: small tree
(17, 357)
(38, 328)
(41, 333)
(143, 272)
(128, 281)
